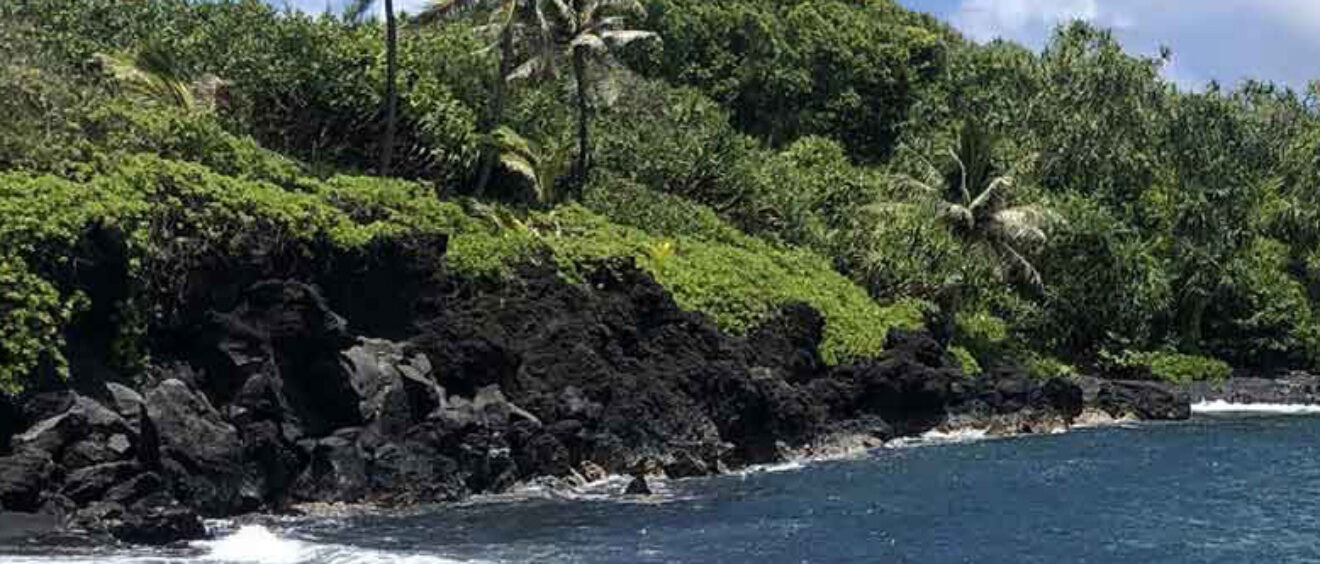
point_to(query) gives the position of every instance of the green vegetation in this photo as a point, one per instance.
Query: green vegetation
(1067, 210)
(1173, 367)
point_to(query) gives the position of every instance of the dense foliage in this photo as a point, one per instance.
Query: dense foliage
(1068, 210)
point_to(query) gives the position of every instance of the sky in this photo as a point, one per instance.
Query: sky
(1224, 40)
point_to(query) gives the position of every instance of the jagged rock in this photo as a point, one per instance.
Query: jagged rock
(23, 477)
(87, 434)
(337, 471)
(415, 470)
(1293, 389)
(200, 454)
(1139, 399)
(909, 387)
(46, 404)
(395, 390)
(790, 342)
(91, 483)
(638, 486)
(157, 526)
(127, 403)
(272, 463)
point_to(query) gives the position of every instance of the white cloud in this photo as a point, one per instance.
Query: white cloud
(984, 20)
(1212, 39)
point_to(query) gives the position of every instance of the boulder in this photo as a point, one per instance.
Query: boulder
(126, 402)
(282, 331)
(87, 434)
(395, 390)
(337, 471)
(200, 454)
(1136, 398)
(90, 484)
(638, 486)
(157, 526)
(909, 386)
(23, 478)
(272, 464)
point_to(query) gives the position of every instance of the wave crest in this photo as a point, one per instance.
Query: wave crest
(1224, 407)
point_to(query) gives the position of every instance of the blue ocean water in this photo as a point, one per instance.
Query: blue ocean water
(1222, 489)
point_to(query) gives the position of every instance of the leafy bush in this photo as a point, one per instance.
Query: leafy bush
(967, 360)
(1043, 367)
(1171, 367)
(739, 284)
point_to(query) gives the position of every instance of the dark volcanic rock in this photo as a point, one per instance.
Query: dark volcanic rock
(23, 478)
(282, 330)
(337, 471)
(637, 375)
(261, 396)
(1139, 399)
(157, 526)
(909, 387)
(86, 434)
(91, 483)
(11, 422)
(200, 453)
(1291, 389)
(638, 486)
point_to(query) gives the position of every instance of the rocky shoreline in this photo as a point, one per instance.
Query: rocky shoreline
(286, 391)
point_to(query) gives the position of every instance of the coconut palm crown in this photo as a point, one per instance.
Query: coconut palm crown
(977, 202)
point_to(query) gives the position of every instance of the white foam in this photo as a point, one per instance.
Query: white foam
(1223, 407)
(257, 545)
(790, 466)
(936, 437)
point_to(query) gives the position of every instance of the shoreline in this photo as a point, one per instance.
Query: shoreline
(274, 404)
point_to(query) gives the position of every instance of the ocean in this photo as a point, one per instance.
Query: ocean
(1227, 486)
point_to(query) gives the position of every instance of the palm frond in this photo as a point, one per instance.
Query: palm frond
(993, 192)
(962, 178)
(1022, 225)
(151, 76)
(591, 41)
(1020, 268)
(623, 37)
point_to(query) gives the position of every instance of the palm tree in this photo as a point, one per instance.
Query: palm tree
(976, 201)
(586, 31)
(355, 11)
(591, 29)
(512, 22)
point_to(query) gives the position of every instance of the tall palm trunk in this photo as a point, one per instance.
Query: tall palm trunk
(391, 87)
(584, 113)
(489, 155)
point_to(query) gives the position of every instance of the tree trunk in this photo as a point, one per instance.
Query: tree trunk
(391, 88)
(490, 154)
(584, 114)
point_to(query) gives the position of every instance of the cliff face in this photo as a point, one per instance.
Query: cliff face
(386, 381)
